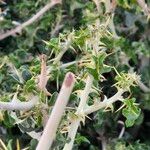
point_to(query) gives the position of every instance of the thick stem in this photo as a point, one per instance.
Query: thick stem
(49, 132)
(19, 28)
(18, 105)
(75, 124)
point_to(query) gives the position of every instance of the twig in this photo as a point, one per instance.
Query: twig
(57, 112)
(75, 123)
(64, 49)
(143, 87)
(57, 27)
(40, 13)
(65, 65)
(122, 130)
(109, 8)
(18, 105)
(104, 144)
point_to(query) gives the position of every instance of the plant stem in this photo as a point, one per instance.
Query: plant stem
(143, 87)
(3, 145)
(49, 132)
(111, 22)
(122, 130)
(57, 27)
(105, 103)
(18, 105)
(65, 65)
(75, 123)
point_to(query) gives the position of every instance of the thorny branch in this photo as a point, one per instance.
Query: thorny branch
(106, 103)
(82, 110)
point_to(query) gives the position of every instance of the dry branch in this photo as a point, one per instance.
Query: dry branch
(40, 13)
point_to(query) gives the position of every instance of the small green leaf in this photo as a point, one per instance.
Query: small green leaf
(30, 85)
(131, 112)
(26, 74)
(94, 73)
(105, 69)
(8, 121)
(53, 45)
(53, 98)
(81, 139)
(33, 144)
(101, 58)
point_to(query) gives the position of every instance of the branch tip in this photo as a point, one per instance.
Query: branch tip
(69, 79)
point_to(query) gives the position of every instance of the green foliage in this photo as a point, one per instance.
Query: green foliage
(98, 67)
(80, 139)
(131, 111)
(137, 145)
(30, 86)
(126, 80)
(85, 32)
